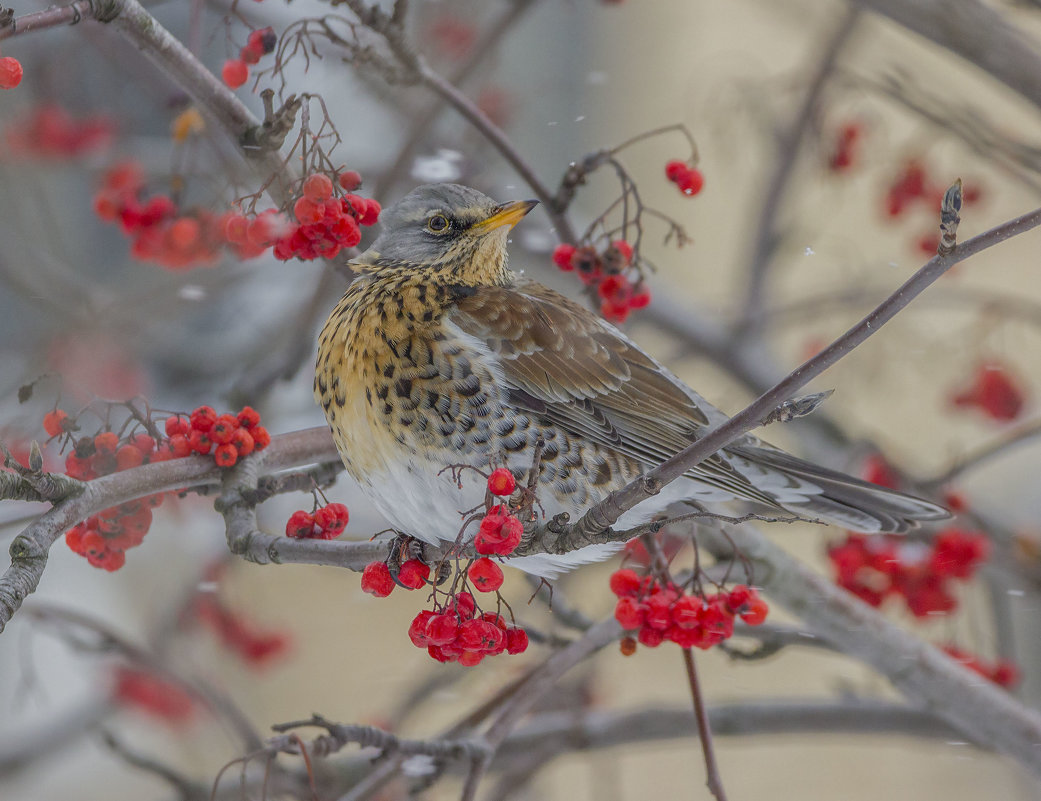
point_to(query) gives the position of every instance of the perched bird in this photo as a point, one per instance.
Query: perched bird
(440, 355)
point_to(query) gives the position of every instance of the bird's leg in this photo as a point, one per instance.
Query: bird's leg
(404, 547)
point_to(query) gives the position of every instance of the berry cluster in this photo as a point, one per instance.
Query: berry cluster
(610, 273)
(104, 538)
(689, 179)
(459, 634)
(10, 72)
(661, 612)
(456, 629)
(325, 523)
(993, 391)
(1003, 673)
(48, 131)
(153, 695)
(325, 224)
(875, 567)
(228, 437)
(845, 146)
(235, 71)
(244, 638)
(159, 231)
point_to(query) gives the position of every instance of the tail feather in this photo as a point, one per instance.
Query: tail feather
(843, 499)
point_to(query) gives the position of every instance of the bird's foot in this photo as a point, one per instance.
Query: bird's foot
(405, 547)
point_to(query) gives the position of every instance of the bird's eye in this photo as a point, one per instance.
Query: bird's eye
(438, 223)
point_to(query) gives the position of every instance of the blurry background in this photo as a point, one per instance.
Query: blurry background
(565, 79)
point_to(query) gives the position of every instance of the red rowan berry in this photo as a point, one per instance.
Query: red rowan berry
(413, 574)
(179, 446)
(203, 418)
(625, 250)
(264, 38)
(331, 520)
(417, 630)
(464, 605)
(501, 482)
(128, 456)
(225, 455)
(200, 442)
(307, 211)
(442, 629)
(261, 439)
(652, 638)
(10, 72)
(301, 526)
(243, 441)
(176, 425)
(627, 646)
(224, 428)
(106, 443)
(516, 641)
(562, 257)
(625, 582)
(691, 183)
(318, 187)
(54, 422)
(251, 54)
(349, 180)
(234, 73)
(755, 612)
(485, 575)
(630, 613)
(376, 579)
(248, 417)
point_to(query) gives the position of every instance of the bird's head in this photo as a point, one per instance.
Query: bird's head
(450, 231)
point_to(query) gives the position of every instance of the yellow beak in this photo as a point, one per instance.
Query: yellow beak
(507, 214)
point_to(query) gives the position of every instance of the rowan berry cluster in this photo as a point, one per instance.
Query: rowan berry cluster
(228, 437)
(10, 72)
(994, 391)
(1002, 672)
(324, 523)
(874, 567)
(689, 179)
(235, 71)
(664, 611)
(48, 131)
(255, 646)
(160, 232)
(325, 224)
(845, 147)
(105, 538)
(618, 285)
(456, 629)
(153, 695)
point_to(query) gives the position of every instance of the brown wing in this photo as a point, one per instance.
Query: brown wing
(565, 365)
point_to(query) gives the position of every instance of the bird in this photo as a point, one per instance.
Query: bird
(440, 355)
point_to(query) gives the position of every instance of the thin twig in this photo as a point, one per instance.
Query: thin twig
(713, 778)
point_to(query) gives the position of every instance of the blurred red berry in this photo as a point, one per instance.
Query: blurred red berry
(376, 579)
(501, 482)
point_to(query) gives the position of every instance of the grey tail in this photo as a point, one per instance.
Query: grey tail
(842, 499)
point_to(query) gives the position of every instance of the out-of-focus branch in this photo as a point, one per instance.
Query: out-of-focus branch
(978, 33)
(49, 18)
(788, 147)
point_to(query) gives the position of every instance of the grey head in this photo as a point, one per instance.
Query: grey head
(435, 224)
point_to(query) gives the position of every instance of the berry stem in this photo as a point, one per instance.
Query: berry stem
(712, 778)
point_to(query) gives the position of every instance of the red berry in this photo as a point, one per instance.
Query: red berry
(331, 519)
(627, 645)
(686, 612)
(485, 575)
(261, 439)
(691, 183)
(755, 612)
(318, 187)
(10, 72)
(234, 73)
(179, 446)
(200, 442)
(417, 630)
(349, 180)
(243, 441)
(516, 641)
(625, 250)
(248, 417)
(674, 170)
(562, 257)
(413, 574)
(652, 638)
(128, 456)
(376, 579)
(300, 525)
(54, 422)
(464, 605)
(625, 582)
(224, 429)
(225, 455)
(106, 443)
(176, 425)
(629, 613)
(501, 482)
(442, 629)
(308, 211)
(203, 418)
